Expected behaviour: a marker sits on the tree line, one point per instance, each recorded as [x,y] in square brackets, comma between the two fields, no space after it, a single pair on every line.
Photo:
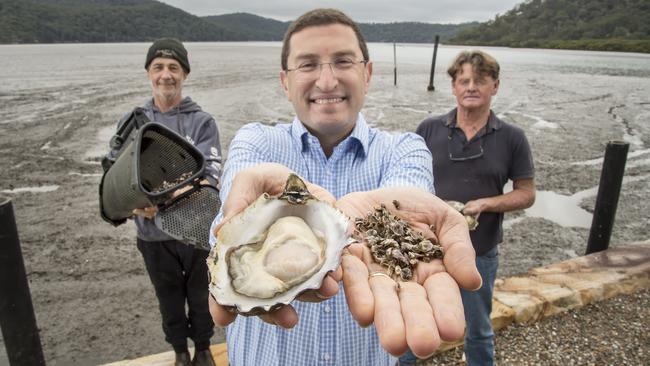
[611,25]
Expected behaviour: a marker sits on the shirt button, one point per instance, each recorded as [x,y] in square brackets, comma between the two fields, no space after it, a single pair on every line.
[326,356]
[327,308]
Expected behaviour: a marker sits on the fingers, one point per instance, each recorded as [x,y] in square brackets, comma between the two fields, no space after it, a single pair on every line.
[220,316]
[388,316]
[252,182]
[444,298]
[421,328]
[147,212]
[460,258]
[329,288]
[453,236]
[285,317]
[357,290]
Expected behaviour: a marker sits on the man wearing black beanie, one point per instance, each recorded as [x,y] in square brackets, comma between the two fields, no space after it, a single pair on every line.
[178,271]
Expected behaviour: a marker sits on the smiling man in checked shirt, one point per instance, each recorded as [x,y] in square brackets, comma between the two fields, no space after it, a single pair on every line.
[325,75]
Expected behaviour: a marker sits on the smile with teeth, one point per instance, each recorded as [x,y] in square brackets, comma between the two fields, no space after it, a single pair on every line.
[327,100]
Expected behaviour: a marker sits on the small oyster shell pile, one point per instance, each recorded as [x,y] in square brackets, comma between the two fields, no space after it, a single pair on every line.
[393,244]
[472,221]
[275,249]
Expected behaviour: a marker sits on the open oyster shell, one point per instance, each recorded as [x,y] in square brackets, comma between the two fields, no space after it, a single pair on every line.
[275,249]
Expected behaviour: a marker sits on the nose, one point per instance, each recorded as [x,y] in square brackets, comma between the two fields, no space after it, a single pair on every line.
[166,73]
[327,79]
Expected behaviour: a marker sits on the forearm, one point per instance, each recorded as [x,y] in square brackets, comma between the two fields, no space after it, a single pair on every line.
[521,197]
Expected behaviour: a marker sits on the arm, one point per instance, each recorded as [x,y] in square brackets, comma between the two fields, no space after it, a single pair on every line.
[520,170]
[207,141]
[522,196]
[410,164]
[428,308]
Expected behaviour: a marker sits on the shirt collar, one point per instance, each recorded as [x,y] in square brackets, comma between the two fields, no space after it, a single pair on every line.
[360,135]
[493,122]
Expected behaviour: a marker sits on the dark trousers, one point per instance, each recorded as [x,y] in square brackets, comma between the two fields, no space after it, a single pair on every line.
[178,273]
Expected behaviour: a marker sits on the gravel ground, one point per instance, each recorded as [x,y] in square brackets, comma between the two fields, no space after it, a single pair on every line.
[611,332]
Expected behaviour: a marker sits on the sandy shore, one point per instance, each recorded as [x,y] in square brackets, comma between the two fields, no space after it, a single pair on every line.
[91,294]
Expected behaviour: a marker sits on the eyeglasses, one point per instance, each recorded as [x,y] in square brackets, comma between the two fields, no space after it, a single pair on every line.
[311,70]
[463,152]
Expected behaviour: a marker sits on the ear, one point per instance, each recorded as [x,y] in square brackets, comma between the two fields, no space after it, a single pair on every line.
[368,74]
[284,81]
[496,87]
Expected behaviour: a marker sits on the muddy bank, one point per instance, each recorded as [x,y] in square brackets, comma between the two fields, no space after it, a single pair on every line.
[91,293]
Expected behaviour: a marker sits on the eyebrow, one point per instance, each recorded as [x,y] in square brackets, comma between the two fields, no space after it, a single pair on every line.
[162,63]
[312,56]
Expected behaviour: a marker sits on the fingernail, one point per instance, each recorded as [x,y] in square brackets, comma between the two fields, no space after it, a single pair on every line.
[322,297]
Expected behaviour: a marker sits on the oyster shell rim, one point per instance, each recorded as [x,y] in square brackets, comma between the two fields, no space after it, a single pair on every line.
[220,286]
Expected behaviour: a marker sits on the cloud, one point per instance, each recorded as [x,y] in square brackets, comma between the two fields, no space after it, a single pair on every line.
[367,11]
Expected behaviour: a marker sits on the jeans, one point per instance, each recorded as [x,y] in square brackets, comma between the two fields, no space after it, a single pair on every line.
[479,336]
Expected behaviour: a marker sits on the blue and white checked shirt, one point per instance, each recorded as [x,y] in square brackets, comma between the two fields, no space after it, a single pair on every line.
[326,333]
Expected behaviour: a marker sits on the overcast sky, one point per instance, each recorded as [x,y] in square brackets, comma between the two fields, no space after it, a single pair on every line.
[366,11]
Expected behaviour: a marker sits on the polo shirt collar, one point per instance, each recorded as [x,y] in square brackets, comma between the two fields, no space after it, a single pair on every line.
[493,123]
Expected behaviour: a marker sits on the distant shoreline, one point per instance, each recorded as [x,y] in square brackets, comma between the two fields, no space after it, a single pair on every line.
[601,45]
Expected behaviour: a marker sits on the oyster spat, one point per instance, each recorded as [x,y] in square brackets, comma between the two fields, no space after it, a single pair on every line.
[275,249]
[472,221]
[394,244]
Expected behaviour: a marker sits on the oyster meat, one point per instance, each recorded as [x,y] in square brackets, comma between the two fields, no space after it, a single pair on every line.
[275,249]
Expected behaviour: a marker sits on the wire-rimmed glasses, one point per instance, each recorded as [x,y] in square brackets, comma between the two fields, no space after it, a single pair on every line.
[311,70]
[463,152]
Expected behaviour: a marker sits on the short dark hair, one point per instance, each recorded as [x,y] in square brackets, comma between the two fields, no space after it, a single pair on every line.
[482,64]
[318,17]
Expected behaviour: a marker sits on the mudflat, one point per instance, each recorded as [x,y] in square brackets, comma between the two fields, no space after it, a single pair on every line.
[60,104]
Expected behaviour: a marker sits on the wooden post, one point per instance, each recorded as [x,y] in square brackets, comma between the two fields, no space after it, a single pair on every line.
[433,64]
[611,179]
[17,319]
[394,63]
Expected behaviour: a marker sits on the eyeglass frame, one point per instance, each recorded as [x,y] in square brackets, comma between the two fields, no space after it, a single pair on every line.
[476,156]
[300,69]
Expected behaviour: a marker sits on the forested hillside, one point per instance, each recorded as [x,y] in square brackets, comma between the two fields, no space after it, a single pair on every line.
[251,27]
[264,29]
[612,25]
[59,21]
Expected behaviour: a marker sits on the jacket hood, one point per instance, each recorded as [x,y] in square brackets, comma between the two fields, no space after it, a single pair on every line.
[187,105]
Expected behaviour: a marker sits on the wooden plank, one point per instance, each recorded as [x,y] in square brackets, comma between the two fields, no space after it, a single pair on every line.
[219,355]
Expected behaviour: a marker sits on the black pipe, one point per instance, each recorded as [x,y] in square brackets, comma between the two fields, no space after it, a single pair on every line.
[433,64]
[611,179]
[17,319]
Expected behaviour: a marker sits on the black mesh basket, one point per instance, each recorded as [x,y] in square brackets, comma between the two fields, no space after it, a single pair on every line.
[188,217]
[156,162]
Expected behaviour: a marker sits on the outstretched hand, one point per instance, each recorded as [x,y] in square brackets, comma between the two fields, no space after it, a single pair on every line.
[419,313]
[247,186]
